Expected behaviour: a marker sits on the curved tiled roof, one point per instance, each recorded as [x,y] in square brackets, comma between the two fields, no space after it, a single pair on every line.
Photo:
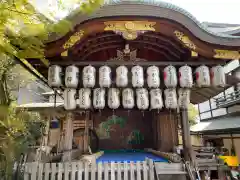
[157,9]
[173,7]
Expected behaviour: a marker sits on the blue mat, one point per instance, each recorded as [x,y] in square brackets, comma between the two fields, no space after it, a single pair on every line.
[129,156]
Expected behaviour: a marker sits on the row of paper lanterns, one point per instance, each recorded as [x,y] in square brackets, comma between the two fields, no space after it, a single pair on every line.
[205,77]
[152,99]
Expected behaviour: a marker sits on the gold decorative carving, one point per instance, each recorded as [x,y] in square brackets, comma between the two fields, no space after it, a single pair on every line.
[226,54]
[64,53]
[185,40]
[126,55]
[71,41]
[129,29]
[194,54]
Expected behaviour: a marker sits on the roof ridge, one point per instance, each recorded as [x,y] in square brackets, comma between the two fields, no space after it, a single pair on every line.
[174,7]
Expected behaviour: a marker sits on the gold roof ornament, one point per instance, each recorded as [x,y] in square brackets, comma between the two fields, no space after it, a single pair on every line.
[71,41]
[185,40]
[226,54]
[129,29]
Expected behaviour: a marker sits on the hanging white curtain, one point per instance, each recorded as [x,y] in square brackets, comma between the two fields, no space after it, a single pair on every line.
[122,76]
[71,77]
[85,98]
[70,99]
[128,98]
[156,99]
[170,98]
[185,77]
[170,76]
[99,98]
[105,76]
[183,98]
[89,76]
[113,98]
[54,76]
[202,76]
[218,77]
[142,98]
[153,77]
[137,76]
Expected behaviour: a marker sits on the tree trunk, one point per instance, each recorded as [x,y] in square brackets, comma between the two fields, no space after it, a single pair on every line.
[4,94]
[3,98]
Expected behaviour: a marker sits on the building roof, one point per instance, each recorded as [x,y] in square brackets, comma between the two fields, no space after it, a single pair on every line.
[38,106]
[230,29]
[218,124]
[159,9]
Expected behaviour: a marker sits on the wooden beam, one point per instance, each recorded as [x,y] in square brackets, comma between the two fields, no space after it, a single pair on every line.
[141,62]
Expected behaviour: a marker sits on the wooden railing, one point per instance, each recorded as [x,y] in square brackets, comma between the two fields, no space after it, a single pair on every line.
[228,99]
[84,171]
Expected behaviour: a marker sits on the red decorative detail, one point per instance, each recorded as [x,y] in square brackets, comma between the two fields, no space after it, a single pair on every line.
[197,75]
[164,75]
[179,74]
[211,74]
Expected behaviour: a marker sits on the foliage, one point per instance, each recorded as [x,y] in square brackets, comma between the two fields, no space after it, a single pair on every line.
[23,29]
[18,130]
[192,114]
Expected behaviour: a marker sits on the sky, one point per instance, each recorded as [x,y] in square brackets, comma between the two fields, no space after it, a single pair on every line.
[217,11]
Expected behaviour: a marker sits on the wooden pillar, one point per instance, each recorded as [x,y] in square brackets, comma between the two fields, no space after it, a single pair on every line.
[46,131]
[86,135]
[68,140]
[236,74]
[187,145]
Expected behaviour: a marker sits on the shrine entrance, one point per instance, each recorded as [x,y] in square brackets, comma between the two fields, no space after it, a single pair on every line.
[124,130]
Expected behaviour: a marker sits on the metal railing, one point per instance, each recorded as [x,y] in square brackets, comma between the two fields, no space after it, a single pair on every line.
[228,99]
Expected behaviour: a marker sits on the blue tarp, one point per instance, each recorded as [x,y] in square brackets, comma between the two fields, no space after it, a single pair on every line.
[127,156]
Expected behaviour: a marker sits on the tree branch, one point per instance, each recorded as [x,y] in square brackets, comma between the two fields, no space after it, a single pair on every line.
[13,10]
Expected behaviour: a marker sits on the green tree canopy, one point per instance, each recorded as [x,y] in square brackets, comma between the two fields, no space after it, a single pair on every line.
[192,114]
[23,29]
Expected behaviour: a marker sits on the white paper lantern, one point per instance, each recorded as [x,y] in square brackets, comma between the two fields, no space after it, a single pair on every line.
[156,99]
[137,76]
[99,98]
[202,76]
[85,98]
[218,77]
[54,76]
[183,98]
[70,99]
[185,77]
[153,77]
[89,76]
[105,76]
[113,98]
[71,77]
[122,76]
[128,98]
[142,98]
[170,98]
[170,76]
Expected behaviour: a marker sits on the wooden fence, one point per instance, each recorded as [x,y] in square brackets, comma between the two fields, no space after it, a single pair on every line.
[143,170]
